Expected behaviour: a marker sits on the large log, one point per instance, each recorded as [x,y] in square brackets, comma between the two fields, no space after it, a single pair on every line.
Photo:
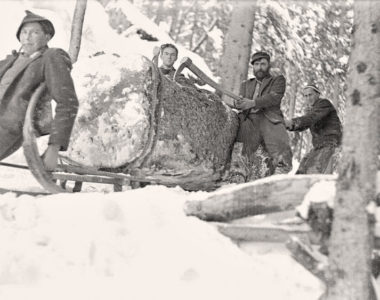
[133,119]
[275,193]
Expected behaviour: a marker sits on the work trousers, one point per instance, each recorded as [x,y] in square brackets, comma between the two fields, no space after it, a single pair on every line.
[255,130]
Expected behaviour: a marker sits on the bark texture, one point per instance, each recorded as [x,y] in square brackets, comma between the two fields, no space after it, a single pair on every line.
[352,231]
[237,46]
[134,119]
[194,138]
[277,193]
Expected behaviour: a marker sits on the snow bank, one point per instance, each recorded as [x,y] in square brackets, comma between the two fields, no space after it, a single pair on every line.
[131,245]
[320,192]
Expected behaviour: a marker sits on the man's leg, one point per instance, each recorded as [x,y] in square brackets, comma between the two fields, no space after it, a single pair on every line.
[249,134]
[302,168]
[276,142]
[247,142]
[318,161]
[9,143]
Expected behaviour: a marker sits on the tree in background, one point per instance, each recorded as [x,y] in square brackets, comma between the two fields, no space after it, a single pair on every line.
[237,46]
[352,229]
[309,41]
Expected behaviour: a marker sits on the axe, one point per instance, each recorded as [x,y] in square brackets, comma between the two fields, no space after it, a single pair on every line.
[186,62]
[156,53]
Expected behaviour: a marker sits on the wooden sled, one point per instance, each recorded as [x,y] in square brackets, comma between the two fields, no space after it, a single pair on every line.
[68,170]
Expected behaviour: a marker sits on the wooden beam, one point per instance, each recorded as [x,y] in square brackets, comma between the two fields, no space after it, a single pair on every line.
[260,233]
[271,194]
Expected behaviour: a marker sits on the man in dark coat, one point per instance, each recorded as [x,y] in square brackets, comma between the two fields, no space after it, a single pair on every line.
[169,55]
[20,75]
[261,119]
[326,130]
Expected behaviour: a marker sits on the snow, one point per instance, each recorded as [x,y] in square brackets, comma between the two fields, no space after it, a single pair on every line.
[98,36]
[320,192]
[136,244]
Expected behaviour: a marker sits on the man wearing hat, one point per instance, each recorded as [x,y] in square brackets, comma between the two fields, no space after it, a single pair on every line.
[20,75]
[261,120]
[325,127]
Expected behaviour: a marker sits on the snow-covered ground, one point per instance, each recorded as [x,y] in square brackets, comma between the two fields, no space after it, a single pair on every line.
[136,244]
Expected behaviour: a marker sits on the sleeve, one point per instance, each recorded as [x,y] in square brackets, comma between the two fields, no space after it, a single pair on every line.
[318,112]
[57,68]
[274,97]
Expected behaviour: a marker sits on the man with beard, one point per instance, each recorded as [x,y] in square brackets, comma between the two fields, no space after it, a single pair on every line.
[325,128]
[261,120]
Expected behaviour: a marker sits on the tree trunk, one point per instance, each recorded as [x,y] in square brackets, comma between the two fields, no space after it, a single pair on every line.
[259,197]
[352,229]
[132,119]
[76,30]
[237,46]
[234,70]
[160,12]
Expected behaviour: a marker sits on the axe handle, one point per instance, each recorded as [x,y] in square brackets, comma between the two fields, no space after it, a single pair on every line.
[198,72]
[179,70]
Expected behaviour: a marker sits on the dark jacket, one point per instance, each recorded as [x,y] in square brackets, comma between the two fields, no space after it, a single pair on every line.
[323,122]
[271,93]
[168,72]
[53,67]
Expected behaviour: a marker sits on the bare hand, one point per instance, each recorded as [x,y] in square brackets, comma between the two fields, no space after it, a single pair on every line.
[288,123]
[244,103]
[196,80]
[156,51]
[199,81]
[50,157]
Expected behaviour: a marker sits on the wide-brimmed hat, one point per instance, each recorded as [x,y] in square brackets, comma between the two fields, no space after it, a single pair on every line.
[259,55]
[31,18]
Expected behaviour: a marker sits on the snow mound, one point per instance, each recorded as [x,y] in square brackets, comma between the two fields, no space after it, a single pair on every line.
[129,245]
[320,192]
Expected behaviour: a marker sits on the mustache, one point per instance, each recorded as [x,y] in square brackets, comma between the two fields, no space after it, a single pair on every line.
[260,72]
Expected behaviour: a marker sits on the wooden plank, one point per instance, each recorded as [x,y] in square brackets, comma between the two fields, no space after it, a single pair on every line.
[19,193]
[312,261]
[275,193]
[260,233]
[90,178]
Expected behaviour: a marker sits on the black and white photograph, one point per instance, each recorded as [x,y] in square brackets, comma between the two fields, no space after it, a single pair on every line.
[189,149]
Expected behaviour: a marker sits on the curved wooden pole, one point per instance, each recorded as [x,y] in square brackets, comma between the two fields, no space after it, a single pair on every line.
[138,162]
[31,153]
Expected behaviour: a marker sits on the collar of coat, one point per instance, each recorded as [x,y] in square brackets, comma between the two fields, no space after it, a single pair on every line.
[34,54]
[166,71]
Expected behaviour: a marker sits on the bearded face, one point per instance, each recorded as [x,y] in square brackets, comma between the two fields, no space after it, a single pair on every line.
[261,68]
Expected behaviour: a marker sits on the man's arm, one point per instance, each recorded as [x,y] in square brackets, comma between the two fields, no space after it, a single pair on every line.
[321,109]
[61,88]
[274,97]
